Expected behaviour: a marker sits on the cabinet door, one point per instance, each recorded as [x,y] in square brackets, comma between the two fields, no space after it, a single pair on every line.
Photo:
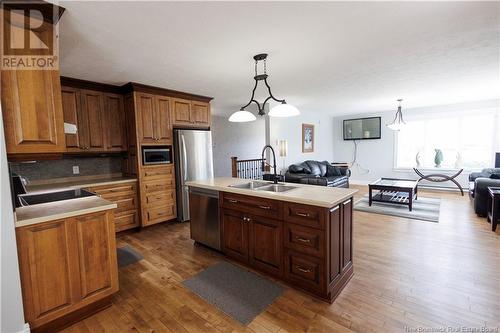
[265,244]
[96,255]
[200,114]
[46,270]
[115,120]
[71,104]
[235,235]
[145,113]
[92,107]
[346,234]
[181,111]
[163,129]
[32,111]
[131,128]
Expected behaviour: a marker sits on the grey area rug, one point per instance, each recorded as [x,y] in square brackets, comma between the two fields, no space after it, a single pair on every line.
[237,292]
[127,255]
[425,209]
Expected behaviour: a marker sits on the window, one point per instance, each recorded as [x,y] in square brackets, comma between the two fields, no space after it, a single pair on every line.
[466,140]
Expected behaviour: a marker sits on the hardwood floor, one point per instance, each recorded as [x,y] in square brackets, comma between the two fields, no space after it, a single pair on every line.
[408,274]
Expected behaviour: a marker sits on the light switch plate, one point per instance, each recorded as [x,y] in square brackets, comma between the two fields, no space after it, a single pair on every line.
[76,169]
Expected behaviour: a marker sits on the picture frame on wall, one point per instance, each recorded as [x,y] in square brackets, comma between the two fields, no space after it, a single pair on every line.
[307,138]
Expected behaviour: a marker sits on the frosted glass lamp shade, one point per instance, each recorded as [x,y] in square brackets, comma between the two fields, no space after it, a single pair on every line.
[396,126]
[284,110]
[242,117]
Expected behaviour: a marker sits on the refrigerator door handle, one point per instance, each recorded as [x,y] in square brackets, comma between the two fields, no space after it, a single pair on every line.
[184,156]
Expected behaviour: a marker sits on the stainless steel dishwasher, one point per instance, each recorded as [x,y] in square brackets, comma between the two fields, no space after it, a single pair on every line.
[204,212]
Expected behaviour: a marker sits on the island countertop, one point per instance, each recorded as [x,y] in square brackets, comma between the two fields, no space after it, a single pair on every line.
[51,211]
[314,195]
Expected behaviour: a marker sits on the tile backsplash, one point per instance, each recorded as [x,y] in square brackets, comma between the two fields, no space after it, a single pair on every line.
[89,166]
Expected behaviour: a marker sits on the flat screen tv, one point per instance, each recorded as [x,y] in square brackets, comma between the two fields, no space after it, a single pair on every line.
[362,128]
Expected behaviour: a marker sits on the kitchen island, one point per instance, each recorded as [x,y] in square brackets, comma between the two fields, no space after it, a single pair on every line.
[301,234]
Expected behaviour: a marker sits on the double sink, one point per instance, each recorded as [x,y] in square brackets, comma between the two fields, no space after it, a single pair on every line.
[264,186]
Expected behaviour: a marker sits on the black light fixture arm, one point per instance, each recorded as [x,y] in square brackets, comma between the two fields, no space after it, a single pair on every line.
[399,114]
[257,78]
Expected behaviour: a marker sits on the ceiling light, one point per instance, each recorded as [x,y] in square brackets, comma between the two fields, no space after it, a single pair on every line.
[398,122]
[281,110]
[242,117]
[284,110]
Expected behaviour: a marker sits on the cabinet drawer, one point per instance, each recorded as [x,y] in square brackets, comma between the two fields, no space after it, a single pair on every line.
[154,172]
[158,214]
[115,190]
[158,185]
[126,221]
[305,271]
[309,216]
[124,204]
[160,198]
[253,205]
[305,240]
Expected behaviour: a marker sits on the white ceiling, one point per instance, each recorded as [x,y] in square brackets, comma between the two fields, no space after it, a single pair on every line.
[329,57]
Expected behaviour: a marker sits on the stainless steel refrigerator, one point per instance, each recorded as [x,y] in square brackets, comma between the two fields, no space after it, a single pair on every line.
[193,161]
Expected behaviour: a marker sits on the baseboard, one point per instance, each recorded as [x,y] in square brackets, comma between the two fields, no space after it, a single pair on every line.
[26,328]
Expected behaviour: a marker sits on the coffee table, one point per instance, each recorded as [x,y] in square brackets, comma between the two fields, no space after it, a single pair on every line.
[494,206]
[393,190]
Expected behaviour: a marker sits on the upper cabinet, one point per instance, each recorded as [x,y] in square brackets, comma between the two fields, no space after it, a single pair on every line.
[115,118]
[32,111]
[190,113]
[99,118]
[153,118]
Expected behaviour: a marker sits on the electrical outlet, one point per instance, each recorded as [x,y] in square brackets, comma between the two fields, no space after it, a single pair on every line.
[76,169]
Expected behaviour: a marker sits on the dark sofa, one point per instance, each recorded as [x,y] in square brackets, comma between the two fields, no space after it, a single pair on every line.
[478,187]
[318,173]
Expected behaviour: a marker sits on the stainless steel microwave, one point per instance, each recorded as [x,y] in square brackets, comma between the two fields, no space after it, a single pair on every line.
[159,155]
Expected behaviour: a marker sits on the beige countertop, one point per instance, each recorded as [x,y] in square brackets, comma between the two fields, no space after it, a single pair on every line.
[305,194]
[60,210]
[78,183]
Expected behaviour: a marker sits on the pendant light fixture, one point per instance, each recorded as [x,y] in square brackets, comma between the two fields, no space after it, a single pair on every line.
[280,110]
[398,121]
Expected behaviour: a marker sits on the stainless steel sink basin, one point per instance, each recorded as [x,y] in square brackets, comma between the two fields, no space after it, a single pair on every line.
[251,185]
[276,188]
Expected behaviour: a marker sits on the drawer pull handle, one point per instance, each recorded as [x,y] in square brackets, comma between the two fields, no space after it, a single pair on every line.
[265,207]
[303,240]
[303,270]
[303,214]
[232,201]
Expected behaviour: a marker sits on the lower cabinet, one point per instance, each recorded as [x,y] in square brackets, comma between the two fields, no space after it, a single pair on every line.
[254,240]
[124,195]
[157,193]
[309,247]
[66,265]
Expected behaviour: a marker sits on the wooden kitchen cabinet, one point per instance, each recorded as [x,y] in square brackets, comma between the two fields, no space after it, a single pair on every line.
[309,247]
[254,240]
[190,113]
[99,117]
[115,123]
[66,266]
[265,244]
[124,195]
[32,111]
[157,193]
[235,239]
[71,105]
[153,119]
[92,121]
